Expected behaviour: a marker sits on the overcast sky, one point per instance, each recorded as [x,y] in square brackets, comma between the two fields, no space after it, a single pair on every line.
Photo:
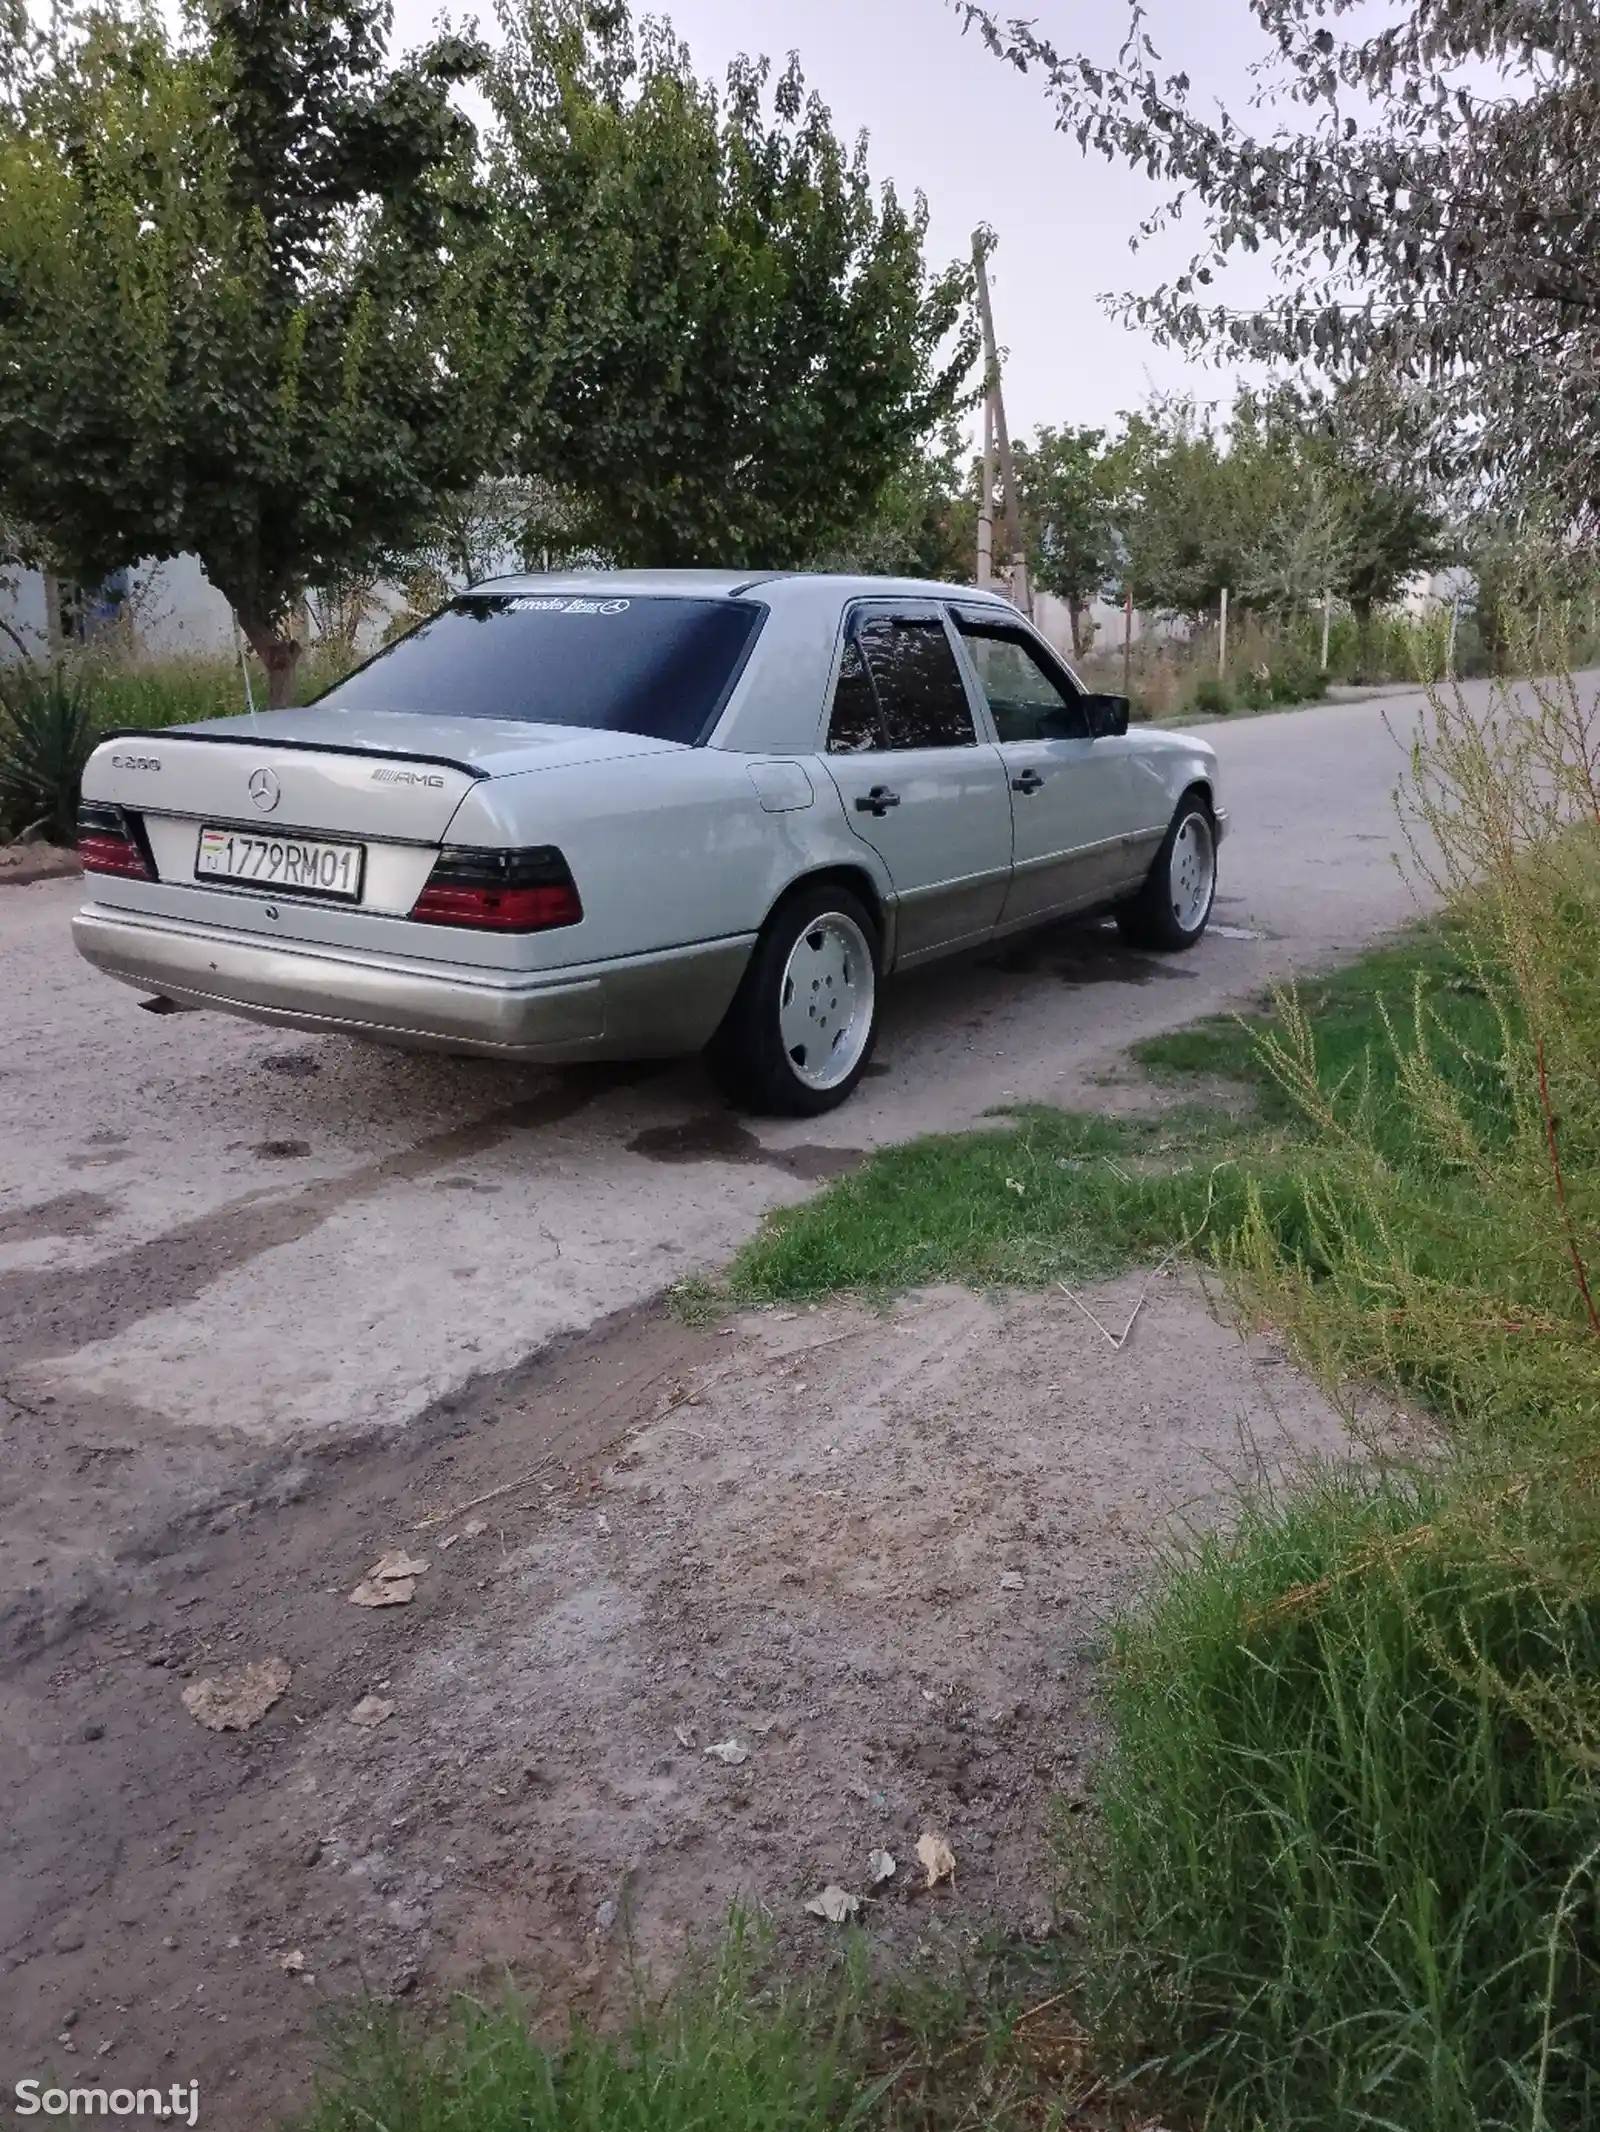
[978,138]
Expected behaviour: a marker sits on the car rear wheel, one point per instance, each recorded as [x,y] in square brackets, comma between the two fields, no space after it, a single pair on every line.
[1174,906]
[800,1031]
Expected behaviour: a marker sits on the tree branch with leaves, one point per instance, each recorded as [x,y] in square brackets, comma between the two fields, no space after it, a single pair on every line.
[1426,179]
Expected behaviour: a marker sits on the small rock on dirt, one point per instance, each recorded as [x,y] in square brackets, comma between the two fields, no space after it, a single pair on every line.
[236,1700]
[728,1752]
[936,1858]
[836,1904]
[881,1866]
[390,1568]
[371,1711]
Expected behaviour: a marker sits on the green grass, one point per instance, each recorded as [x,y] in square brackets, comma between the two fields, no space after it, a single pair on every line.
[1351,1825]
[1056,1196]
[1065,1195]
[725,2059]
[1347,1006]
[734,2049]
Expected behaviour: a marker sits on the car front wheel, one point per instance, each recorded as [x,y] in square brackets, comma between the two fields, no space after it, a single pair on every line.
[800,1031]
[1174,905]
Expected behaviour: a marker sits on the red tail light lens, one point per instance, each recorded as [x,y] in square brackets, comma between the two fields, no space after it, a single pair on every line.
[500,891]
[110,843]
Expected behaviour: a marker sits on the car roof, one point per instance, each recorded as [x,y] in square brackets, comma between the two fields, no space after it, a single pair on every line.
[772,585]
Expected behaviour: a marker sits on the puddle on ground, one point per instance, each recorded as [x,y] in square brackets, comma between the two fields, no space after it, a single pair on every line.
[68,1214]
[1099,957]
[298,1065]
[715,1136]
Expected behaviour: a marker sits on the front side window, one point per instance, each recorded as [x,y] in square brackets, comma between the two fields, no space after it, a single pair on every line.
[1026,700]
[920,690]
[658,667]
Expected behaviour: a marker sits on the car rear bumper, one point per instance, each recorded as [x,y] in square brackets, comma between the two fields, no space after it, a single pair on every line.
[656,1005]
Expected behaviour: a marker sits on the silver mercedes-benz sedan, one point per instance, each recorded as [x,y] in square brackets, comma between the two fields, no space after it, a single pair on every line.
[644,813]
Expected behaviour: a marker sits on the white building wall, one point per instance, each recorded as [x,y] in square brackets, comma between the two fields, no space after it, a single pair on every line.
[173,611]
[22,609]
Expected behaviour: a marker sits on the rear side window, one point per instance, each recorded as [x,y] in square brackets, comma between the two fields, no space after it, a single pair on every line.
[853,725]
[920,691]
[660,667]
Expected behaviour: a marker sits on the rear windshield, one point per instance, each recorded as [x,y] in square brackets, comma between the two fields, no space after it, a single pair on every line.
[662,667]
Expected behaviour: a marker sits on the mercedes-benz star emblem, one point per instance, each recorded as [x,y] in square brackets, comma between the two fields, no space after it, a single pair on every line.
[265,790]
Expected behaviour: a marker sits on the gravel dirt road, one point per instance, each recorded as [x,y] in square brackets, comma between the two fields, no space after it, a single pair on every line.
[267,1302]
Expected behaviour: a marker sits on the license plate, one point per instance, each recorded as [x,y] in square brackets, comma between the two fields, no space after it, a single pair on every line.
[304,866]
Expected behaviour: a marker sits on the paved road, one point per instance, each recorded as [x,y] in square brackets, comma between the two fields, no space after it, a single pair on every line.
[211,1227]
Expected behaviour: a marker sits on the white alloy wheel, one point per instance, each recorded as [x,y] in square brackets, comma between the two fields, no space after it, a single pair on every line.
[825,1000]
[1192,872]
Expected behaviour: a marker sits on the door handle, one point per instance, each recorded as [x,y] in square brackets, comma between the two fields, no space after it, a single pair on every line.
[878,801]
[1029,781]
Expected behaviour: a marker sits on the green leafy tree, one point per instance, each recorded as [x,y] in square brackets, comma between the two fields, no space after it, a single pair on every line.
[755,349]
[1292,502]
[1426,178]
[1070,483]
[1184,523]
[249,302]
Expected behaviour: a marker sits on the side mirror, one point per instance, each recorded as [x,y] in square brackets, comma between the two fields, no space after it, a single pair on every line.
[1107,716]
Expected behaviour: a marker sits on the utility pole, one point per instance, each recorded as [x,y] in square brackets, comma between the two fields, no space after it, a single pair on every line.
[986,497]
[1008,470]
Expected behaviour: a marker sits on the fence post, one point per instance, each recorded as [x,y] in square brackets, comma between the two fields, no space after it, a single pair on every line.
[1222,639]
[1327,617]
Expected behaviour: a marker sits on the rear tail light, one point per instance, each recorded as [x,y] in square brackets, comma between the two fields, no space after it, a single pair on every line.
[111,842]
[500,891]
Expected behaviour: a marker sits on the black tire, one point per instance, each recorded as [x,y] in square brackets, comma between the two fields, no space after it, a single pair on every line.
[747,1057]
[1154,917]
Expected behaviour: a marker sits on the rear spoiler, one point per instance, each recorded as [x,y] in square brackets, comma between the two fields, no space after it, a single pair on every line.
[306,747]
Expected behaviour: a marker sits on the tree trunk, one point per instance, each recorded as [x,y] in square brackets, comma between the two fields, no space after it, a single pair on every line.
[1075,614]
[279,653]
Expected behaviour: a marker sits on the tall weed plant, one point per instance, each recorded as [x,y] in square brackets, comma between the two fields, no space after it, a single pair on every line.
[1352,1811]
[53,717]
[1455,1245]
